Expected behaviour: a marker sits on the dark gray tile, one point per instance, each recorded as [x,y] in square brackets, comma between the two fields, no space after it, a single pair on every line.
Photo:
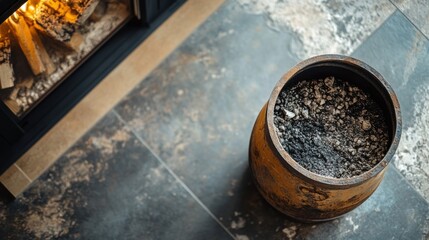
[107,186]
[401,54]
[196,111]
[417,11]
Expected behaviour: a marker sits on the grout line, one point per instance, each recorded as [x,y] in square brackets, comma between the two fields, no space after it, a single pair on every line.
[23,173]
[164,164]
[392,164]
[408,182]
[373,32]
[412,23]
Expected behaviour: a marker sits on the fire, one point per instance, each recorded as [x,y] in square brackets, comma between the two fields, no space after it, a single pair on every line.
[43,40]
[27,7]
[23,7]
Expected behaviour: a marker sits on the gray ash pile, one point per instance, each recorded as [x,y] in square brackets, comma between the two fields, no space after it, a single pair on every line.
[331,127]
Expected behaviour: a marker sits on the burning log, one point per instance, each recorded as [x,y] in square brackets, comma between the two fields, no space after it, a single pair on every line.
[28,14]
[25,39]
[47,61]
[83,8]
[7,76]
[59,19]
[52,18]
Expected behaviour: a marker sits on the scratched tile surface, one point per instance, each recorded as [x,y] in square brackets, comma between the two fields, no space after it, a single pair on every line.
[401,53]
[108,186]
[195,113]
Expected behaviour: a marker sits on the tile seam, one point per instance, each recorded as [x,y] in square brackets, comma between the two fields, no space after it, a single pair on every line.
[377,29]
[172,173]
[409,20]
[373,32]
[403,178]
[23,173]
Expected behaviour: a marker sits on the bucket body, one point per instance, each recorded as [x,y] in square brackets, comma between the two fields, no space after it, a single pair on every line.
[292,189]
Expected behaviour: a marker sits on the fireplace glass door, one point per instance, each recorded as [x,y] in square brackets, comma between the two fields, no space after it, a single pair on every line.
[45,40]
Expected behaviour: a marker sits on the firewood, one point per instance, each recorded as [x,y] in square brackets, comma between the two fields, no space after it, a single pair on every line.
[46,59]
[14,93]
[22,33]
[75,41]
[7,76]
[28,14]
[99,11]
[12,105]
[83,8]
[25,83]
[58,21]
[61,8]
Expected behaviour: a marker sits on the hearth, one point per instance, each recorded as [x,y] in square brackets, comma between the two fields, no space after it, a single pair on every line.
[53,52]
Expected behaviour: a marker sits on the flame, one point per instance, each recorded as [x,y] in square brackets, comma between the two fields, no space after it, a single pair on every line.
[14,17]
[27,10]
[28,7]
[23,7]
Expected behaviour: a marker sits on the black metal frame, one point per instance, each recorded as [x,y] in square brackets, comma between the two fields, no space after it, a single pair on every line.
[8,7]
[18,135]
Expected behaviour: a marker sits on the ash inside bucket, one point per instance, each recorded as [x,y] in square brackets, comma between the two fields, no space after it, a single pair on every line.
[331,127]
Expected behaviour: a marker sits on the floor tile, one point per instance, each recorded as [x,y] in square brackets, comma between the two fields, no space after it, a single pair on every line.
[196,111]
[394,211]
[417,11]
[107,186]
[401,54]
[323,26]
[206,96]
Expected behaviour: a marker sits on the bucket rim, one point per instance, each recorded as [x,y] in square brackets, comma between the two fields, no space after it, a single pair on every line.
[362,67]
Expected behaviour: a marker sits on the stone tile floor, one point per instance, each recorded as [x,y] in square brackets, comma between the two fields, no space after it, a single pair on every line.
[170,161]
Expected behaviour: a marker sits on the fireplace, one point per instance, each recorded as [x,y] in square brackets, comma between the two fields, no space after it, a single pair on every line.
[53,52]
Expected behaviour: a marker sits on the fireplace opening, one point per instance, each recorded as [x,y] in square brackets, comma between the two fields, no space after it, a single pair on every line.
[44,41]
[54,52]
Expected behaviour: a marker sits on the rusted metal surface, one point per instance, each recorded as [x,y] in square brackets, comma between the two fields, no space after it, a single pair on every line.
[298,192]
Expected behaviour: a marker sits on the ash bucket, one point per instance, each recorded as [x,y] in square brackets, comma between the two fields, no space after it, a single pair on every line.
[303,194]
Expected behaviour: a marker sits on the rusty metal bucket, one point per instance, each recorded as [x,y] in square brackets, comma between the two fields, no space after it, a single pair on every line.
[292,189]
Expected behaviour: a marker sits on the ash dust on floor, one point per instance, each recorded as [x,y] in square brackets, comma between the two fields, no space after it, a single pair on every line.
[108,186]
[324,26]
[46,210]
[412,158]
[405,64]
